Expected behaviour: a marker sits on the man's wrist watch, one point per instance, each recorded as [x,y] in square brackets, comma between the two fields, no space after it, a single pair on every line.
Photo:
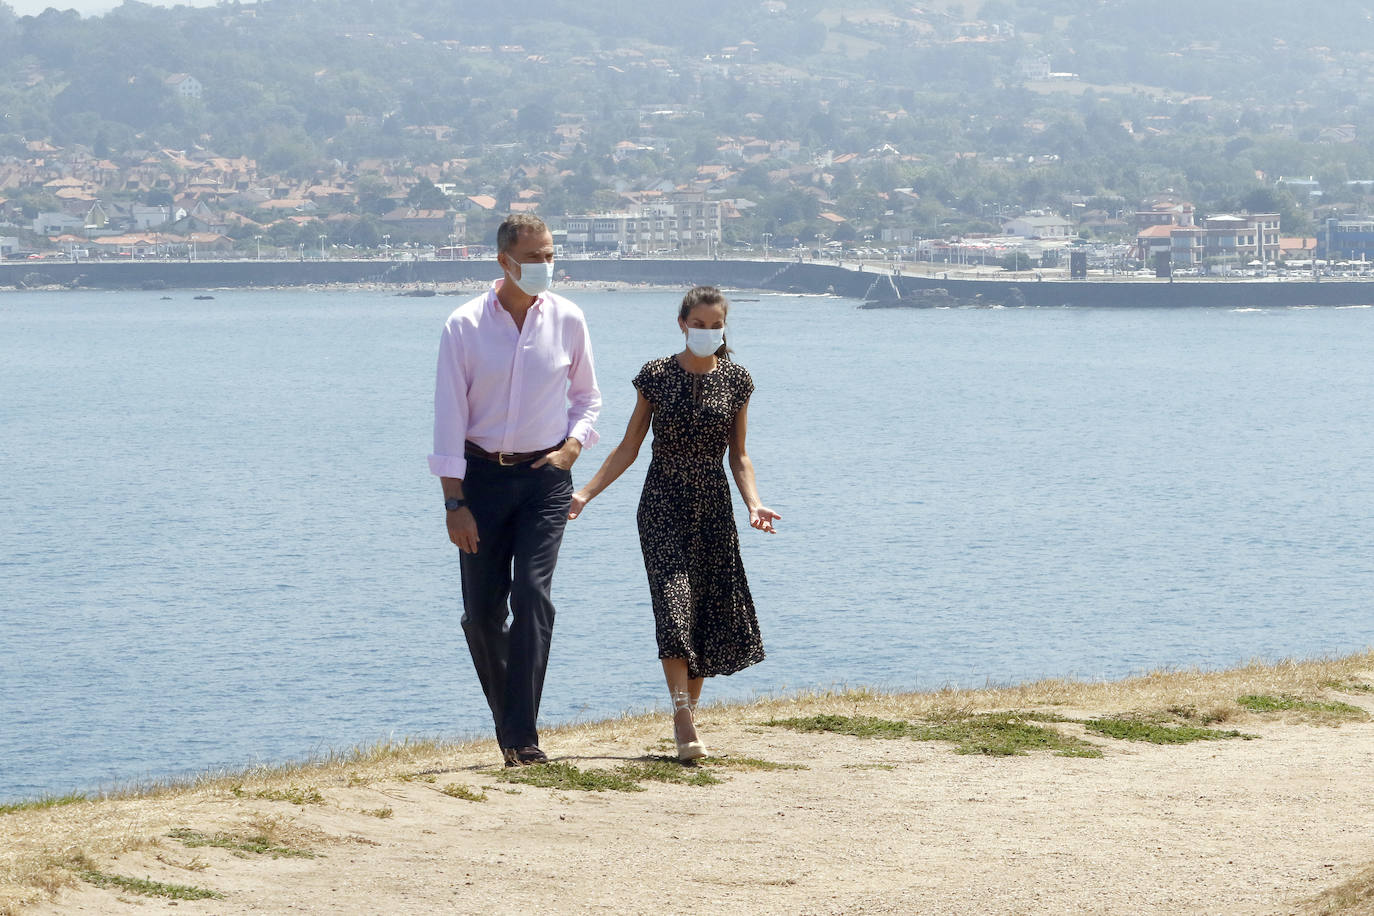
[453,504]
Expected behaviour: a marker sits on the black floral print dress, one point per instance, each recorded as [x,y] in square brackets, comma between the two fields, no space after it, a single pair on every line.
[703,611]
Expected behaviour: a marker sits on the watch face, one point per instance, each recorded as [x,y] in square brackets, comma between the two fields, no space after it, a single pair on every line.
[451,504]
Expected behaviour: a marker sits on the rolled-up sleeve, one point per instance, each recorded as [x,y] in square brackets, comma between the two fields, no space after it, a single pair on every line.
[450,409]
[584,398]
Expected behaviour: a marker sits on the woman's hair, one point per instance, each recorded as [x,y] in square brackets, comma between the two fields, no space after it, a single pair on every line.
[706,295]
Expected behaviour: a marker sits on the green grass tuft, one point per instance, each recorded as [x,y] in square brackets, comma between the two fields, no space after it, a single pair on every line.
[624,778]
[148,888]
[1135,729]
[1190,715]
[1005,734]
[750,763]
[458,790]
[258,844]
[668,769]
[1001,734]
[567,776]
[1350,686]
[52,801]
[1286,703]
[857,726]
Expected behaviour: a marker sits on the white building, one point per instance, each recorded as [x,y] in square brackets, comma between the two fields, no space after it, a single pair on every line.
[184,85]
[58,223]
[683,221]
[1038,227]
[149,217]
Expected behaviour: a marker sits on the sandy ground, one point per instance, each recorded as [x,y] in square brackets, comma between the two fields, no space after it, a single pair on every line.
[869,826]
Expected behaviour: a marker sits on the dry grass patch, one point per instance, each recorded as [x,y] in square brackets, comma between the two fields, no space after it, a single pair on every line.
[1354,897]
[1210,696]
[296,795]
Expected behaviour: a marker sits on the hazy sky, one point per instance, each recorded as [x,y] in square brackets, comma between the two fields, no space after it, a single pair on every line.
[87,7]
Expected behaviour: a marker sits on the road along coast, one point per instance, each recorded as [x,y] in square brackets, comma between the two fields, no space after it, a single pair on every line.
[1240,792]
[923,287]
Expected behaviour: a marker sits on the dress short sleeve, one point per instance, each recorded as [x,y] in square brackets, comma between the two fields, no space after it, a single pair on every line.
[741,389]
[647,382]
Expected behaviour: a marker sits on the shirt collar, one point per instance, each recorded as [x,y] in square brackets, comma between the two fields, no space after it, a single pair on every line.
[496,303]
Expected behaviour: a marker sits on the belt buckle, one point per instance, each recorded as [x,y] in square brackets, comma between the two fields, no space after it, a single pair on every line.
[502,456]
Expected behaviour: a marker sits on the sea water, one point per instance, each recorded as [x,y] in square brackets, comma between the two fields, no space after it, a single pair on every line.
[220,546]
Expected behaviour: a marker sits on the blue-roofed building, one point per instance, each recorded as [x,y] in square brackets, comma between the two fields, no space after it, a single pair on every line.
[1350,238]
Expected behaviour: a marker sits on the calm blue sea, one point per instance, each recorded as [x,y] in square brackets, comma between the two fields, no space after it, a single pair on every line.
[220,546]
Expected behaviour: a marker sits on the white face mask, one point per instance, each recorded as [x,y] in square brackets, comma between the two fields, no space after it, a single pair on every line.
[705,341]
[534,278]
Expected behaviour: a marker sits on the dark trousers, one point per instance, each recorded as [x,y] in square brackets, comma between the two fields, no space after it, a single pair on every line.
[507,611]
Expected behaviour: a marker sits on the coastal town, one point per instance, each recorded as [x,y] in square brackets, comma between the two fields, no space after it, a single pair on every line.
[993,149]
[203,207]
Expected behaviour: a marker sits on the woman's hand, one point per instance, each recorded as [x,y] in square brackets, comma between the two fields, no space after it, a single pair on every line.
[762,518]
[579,502]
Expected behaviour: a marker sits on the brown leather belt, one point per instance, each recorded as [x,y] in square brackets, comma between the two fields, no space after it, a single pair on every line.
[505,459]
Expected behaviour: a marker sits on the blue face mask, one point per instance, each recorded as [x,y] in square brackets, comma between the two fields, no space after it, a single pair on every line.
[534,278]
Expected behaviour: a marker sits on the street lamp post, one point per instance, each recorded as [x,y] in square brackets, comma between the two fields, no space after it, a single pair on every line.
[766,237]
[322,238]
[258,239]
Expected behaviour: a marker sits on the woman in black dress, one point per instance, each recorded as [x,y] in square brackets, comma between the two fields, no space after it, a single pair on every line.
[697,402]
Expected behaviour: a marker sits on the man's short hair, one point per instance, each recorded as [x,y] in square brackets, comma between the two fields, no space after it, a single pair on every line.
[516,225]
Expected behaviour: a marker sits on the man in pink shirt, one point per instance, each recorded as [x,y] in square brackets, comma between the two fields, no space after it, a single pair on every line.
[515,401]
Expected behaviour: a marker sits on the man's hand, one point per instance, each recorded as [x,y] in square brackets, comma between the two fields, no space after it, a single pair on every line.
[462,529]
[579,502]
[562,457]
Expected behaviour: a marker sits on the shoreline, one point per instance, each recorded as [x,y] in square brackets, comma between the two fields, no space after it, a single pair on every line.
[873,809]
[912,286]
[403,290]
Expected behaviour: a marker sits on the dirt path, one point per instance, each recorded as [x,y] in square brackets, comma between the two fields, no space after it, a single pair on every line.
[869,826]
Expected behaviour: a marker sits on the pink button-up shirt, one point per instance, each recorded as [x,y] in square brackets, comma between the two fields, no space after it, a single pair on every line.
[510,389]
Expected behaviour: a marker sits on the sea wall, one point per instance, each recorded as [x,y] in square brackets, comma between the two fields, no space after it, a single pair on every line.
[784,276]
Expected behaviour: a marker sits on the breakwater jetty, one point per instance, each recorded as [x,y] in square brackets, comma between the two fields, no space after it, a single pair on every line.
[877,285]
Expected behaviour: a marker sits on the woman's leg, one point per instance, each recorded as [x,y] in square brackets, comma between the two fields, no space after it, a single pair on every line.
[680,690]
